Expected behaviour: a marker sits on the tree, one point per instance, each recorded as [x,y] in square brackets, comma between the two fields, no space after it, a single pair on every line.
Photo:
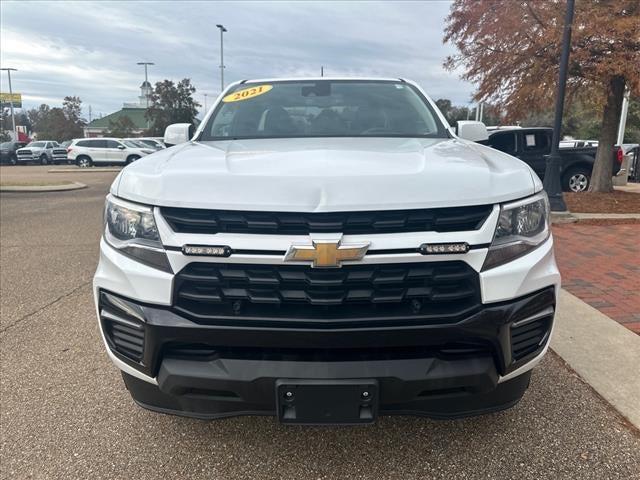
[121,128]
[56,123]
[511,50]
[492,114]
[171,103]
[72,109]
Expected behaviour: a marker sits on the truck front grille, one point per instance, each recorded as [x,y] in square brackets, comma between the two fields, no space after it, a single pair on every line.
[415,292]
[455,219]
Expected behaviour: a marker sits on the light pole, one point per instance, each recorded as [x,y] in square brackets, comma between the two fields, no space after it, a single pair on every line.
[13,117]
[146,82]
[222,30]
[205,103]
[552,170]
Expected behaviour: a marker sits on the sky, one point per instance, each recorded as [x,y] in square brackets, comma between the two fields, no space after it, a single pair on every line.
[90,49]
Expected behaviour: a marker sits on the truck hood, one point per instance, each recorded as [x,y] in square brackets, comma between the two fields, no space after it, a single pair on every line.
[325,174]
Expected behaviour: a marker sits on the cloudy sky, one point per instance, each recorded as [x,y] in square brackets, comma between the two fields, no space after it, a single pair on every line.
[90,49]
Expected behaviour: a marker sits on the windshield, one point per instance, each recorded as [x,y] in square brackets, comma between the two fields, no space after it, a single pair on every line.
[150,143]
[5,145]
[324,108]
[36,144]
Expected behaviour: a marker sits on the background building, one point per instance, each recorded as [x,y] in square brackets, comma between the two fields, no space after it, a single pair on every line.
[135,111]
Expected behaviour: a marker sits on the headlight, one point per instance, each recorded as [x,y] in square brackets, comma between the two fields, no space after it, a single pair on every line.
[131,229]
[522,226]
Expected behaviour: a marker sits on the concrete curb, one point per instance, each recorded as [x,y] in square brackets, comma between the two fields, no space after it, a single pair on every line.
[84,170]
[606,216]
[567,217]
[603,352]
[562,217]
[43,188]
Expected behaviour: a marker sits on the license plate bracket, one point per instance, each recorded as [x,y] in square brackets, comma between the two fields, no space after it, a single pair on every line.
[312,402]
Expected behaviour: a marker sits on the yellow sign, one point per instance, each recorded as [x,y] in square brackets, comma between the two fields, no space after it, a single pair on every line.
[247,93]
[15,98]
[326,253]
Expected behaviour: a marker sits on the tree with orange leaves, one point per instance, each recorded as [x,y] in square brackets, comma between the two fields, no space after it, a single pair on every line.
[511,49]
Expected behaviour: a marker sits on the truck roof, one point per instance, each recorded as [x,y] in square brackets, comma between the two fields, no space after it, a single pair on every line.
[315,79]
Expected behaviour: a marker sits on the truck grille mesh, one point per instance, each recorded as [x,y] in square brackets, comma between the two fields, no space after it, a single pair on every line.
[191,220]
[439,290]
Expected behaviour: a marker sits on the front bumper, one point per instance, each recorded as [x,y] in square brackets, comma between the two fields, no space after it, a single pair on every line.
[208,370]
[440,370]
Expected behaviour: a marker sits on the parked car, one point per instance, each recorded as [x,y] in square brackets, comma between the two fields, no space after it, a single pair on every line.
[8,152]
[43,152]
[150,142]
[531,145]
[86,152]
[326,251]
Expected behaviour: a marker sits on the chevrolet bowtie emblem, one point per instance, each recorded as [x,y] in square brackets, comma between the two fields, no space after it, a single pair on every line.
[326,253]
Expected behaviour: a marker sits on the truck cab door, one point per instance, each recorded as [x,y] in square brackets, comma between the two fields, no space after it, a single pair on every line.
[534,145]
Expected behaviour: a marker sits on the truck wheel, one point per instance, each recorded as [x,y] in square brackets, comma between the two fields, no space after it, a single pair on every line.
[44,160]
[83,161]
[576,180]
[132,158]
[13,160]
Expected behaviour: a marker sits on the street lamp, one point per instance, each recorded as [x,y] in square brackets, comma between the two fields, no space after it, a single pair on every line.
[13,117]
[552,170]
[146,81]
[222,30]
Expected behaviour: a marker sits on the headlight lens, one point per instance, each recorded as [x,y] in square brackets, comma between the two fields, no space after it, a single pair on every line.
[522,226]
[131,229]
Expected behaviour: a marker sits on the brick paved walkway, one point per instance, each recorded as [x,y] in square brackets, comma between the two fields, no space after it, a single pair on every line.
[600,264]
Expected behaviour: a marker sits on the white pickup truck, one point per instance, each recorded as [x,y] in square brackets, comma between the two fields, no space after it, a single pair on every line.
[326,250]
[43,152]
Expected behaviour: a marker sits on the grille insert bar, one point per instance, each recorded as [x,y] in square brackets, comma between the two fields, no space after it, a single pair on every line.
[191,220]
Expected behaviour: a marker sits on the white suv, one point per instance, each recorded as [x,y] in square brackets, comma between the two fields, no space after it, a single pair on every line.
[86,152]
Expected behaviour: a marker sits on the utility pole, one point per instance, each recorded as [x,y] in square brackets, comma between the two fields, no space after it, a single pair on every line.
[205,103]
[146,81]
[89,113]
[322,71]
[13,116]
[222,30]
[552,170]
[623,117]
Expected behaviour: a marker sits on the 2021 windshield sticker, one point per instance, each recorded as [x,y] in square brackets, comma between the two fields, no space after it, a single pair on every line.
[247,93]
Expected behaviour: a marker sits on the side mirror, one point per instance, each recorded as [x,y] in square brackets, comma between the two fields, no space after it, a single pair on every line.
[178,133]
[121,147]
[471,130]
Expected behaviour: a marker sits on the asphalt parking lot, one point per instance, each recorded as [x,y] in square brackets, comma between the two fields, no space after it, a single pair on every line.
[65,412]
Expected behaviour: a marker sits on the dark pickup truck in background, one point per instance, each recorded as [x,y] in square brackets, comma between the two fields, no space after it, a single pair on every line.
[8,152]
[531,145]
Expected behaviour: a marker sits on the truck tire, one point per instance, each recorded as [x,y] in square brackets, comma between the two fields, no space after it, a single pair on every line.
[576,179]
[84,161]
[13,160]
[44,160]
